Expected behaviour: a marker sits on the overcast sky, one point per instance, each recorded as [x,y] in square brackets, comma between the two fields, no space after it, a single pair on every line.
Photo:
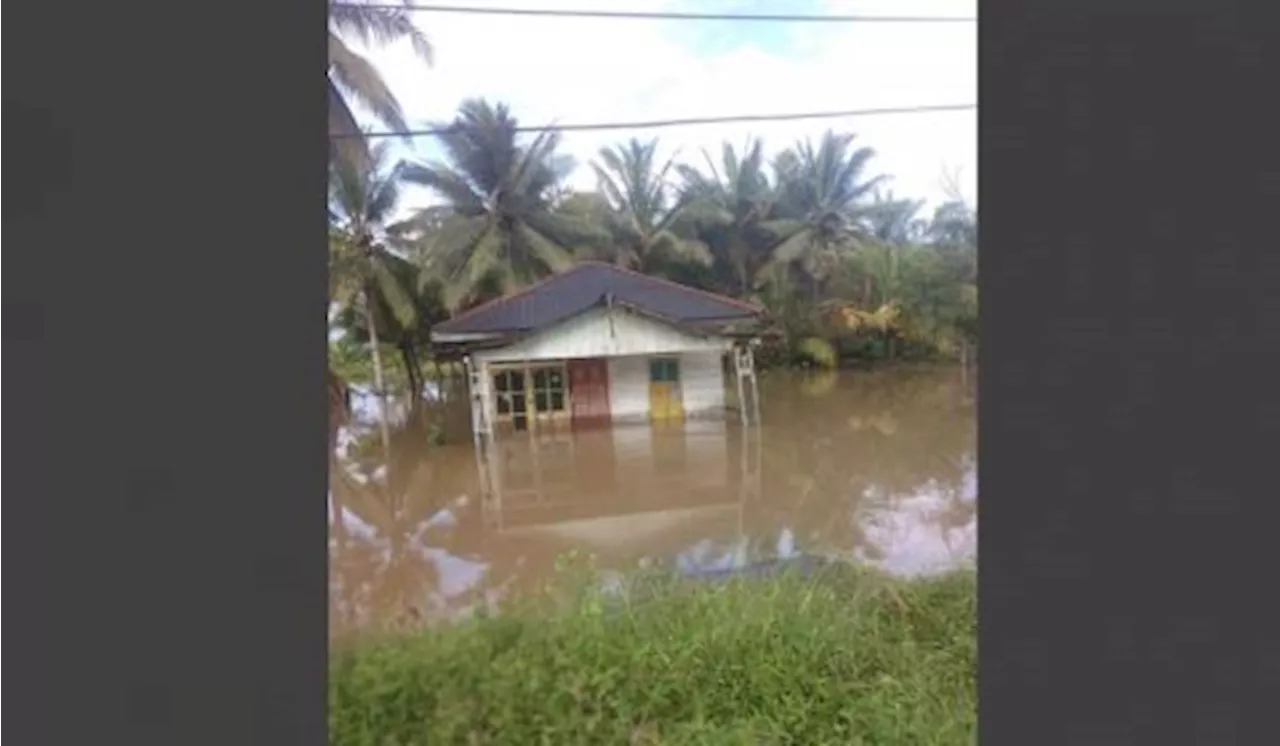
[571,70]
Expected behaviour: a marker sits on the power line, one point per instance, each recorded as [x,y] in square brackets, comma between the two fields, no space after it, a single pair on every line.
[657,15]
[659,123]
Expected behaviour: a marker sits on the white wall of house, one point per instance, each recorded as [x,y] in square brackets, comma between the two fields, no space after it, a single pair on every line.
[604,332]
[629,388]
[701,385]
[702,382]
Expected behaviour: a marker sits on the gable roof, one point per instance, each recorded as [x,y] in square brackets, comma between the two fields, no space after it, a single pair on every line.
[588,284]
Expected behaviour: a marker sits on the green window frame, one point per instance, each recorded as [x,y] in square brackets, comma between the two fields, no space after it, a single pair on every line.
[664,370]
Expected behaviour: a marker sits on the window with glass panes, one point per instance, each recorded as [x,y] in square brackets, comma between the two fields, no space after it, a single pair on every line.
[509,394]
[549,389]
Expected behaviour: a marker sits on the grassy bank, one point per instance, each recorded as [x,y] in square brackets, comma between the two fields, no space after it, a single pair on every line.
[842,658]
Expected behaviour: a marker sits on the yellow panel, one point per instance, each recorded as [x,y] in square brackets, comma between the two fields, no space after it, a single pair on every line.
[665,402]
[657,401]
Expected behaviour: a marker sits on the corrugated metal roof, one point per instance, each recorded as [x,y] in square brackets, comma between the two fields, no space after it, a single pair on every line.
[586,285]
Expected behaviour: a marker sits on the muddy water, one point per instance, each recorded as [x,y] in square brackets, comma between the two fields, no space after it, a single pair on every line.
[877,467]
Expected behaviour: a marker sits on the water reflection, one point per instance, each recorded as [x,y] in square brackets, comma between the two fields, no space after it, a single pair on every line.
[876,467]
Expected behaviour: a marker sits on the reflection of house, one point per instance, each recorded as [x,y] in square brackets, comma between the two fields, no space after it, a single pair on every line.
[578,483]
[598,344]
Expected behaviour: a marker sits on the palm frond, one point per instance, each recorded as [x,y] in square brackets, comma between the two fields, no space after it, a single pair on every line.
[566,228]
[391,292]
[483,258]
[672,217]
[345,139]
[358,79]
[783,228]
[380,26]
[552,256]
[684,249]
[883,318]
[346,269]
[450,184]
[445,249]
[364,192]
[606,184]
[347,189]
[792,247]
[526,168]
[384,196]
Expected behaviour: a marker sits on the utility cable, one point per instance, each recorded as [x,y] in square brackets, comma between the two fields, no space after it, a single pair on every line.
[660,123]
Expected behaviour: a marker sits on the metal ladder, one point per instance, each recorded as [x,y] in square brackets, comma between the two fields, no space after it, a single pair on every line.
[744,367]
[476,389]
[485,449]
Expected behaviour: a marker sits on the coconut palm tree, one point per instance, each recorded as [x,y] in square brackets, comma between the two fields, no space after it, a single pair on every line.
[410,341]
[363,196]
[501,227]
[352,77]
[823,205]
[894,221]
[644,215]
[728,204]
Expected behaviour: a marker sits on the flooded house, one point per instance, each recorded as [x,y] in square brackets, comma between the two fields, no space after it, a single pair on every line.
[598,345]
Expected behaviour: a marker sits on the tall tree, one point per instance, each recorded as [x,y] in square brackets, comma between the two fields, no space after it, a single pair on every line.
[644,215]
[363,196]
[501,226]
[353,79]
[729,203]
[895,221]
[823,205]
[409,341]
[891,228]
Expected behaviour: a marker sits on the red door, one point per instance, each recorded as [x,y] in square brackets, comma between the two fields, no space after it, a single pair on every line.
[589,392]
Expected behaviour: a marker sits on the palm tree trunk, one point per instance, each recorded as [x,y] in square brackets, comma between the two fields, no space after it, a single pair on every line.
[378,379]
[422,372]
[412,372]
[416,358]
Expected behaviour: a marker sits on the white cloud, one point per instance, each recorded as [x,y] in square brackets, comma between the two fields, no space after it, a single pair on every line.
[595,70]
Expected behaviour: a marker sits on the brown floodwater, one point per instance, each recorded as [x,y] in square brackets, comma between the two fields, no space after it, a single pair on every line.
[876,467]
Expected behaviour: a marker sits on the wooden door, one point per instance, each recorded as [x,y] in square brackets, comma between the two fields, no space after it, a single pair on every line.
[666,400]
[589,392]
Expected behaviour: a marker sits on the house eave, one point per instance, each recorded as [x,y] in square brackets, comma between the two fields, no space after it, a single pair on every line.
[447,338]
[736,328]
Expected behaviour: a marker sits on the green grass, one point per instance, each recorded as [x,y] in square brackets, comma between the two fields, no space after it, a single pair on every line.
[846,657]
